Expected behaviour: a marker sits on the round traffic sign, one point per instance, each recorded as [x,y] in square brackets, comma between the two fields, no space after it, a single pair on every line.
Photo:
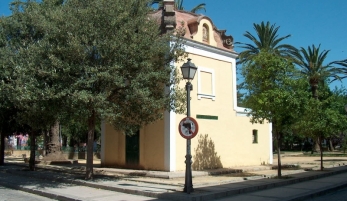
[188,127]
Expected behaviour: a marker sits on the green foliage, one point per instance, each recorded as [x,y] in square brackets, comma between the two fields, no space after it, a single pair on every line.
[274,93]
[8,114]
[311,62]
[81,56]
[77,131]
[29,82]
[344,144]
[89,61]
[265,40]
[342,70]
[324,117]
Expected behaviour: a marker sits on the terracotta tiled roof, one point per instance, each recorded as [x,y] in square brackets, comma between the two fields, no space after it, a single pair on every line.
[190,22]
[189,19]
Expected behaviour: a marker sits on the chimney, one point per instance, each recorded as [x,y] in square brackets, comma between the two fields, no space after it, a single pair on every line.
[168,16]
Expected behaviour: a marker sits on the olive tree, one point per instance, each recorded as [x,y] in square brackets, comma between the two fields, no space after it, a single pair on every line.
[96,60]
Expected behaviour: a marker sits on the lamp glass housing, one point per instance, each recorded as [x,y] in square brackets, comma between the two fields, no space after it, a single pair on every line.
[188,70]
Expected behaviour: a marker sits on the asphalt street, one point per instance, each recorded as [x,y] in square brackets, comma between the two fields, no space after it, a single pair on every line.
[339,195]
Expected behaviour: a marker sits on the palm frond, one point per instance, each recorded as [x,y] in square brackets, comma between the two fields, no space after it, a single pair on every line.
[198,8]
[312,59]
[266,39]
[179,5]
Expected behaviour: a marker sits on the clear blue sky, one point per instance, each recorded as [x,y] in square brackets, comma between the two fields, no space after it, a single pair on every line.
[308,21]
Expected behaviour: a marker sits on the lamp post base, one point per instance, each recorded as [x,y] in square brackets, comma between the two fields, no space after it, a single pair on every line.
[188,184]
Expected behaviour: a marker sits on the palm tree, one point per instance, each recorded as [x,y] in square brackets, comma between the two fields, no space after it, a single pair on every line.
[311,62]
[342,70]
[267,40]
[198,7]
[179,5]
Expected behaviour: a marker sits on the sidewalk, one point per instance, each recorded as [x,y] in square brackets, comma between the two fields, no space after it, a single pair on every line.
[169,185]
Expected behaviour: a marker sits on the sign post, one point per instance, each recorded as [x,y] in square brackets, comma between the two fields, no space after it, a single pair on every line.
[188,127]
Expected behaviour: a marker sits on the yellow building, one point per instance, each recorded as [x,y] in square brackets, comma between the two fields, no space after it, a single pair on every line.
[232,140]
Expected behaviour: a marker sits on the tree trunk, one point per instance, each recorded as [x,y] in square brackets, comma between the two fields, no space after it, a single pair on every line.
[279,169]
[314,87]
[2,149]
[331,147]
[64,141]
[45,142]
[54,147]
[315,146]
[321,154]
[54,144]
[19,146]
[32,150]
[91,128]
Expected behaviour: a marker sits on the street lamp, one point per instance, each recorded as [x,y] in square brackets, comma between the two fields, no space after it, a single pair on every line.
[188,71]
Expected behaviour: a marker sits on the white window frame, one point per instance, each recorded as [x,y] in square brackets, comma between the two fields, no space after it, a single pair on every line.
[200,94]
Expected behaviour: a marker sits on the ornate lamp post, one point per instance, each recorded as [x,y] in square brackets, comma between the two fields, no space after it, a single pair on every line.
[188,71]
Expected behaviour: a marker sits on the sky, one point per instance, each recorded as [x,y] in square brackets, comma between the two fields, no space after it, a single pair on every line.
[308,22]
[318,22]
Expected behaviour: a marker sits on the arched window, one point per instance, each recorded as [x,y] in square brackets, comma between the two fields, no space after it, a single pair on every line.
[205,33]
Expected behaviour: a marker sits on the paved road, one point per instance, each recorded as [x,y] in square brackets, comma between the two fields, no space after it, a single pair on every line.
[15,195]
[340,195]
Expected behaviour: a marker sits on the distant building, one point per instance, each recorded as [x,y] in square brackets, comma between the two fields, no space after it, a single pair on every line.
[232,139]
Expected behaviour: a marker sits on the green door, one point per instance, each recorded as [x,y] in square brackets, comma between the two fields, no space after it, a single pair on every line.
[132,149]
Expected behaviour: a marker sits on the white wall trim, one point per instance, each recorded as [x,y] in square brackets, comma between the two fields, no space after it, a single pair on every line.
[271,146]
[200,94]
[209,51]
[170,141]
[170,136]
[239,110]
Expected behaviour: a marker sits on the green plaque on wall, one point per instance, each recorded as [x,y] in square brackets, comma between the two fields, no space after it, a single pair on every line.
[210,117]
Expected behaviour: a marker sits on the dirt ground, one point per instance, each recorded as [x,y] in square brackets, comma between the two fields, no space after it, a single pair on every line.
[312,161]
